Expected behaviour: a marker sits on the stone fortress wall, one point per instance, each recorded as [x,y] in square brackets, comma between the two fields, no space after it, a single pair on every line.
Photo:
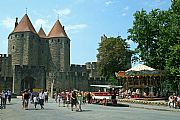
[37,61]
[5,71]
[40,61]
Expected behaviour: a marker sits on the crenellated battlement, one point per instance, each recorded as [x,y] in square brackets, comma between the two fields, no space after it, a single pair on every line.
[35,60]
[78,68]
[4,55]
[90,65]
[25,67]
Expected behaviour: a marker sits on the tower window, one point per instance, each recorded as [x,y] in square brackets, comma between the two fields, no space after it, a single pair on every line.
[15,35]
[58,40]
[52,40]
[13,47]
[22,35]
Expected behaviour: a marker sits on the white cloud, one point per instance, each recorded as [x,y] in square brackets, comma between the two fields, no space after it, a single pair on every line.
[44,23]
[108,2]
[62,12]
[40,22]
[126,8]
[8,23]
[123,14]
[76,27]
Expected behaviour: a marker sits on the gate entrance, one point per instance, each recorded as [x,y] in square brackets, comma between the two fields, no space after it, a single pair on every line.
[28,83]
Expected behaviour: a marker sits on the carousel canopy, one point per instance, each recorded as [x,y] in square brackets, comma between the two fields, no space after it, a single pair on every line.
[140,67]
[142,70]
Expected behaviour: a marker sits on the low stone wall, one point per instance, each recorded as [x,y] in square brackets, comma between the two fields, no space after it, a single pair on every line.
[160,102]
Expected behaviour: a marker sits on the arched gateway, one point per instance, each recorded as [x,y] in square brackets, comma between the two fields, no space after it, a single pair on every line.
[28,83]
[28,77]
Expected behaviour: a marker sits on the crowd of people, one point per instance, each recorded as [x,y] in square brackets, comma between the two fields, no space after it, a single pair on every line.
[5,96]
[34,98]
[174,101]
[74,98]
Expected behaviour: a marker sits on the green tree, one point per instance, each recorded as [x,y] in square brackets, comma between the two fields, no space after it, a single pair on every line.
[157,34]
[112,57]
[146,32]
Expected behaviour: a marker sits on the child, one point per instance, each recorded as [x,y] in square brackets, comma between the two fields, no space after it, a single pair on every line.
[36,100]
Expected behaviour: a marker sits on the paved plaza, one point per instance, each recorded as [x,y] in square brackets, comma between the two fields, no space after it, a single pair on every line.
[90,112]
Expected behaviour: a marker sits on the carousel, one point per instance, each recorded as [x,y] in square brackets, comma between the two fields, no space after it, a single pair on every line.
[141,81]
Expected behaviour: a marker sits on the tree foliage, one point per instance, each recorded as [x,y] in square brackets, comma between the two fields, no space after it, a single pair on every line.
[112,56]
[157,34]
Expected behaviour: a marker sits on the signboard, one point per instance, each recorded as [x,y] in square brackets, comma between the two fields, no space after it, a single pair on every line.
[37,89]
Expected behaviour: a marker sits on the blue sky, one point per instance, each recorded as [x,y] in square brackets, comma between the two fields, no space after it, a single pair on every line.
[85,21]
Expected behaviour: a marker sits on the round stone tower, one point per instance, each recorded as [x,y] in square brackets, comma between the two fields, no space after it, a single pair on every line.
[59,45]
[23,43]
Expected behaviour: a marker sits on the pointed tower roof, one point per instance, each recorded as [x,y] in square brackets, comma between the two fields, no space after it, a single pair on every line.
[41,33]
[57,30]
[25,25]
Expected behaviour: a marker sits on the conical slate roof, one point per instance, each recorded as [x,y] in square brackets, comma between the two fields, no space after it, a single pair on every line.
[57,30]
[41,33]
[25,25]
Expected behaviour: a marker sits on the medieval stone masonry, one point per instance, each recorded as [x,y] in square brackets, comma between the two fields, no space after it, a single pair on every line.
[39,61]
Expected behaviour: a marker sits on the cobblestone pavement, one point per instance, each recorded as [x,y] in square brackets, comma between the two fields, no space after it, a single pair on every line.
[90,112]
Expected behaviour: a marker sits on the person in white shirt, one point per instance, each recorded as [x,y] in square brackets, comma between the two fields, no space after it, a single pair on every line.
[170,102]
[46,96]
[178,101]
[36,100]
[3,99]
[41,99]
[9,95]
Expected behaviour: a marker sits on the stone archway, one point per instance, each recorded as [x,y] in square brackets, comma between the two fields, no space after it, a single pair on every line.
[28,83]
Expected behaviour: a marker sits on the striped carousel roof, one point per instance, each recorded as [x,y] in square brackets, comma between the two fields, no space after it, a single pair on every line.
[141,67]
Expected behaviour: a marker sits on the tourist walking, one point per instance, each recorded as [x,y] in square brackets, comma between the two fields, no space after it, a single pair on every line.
[35,100]
[55,96]
[25,98]
[9,93]
[89,98]
[80,100]
[41,99]
[68,97]
[63,94]
[3,99]
[74,100]
[59,99]
[46,96]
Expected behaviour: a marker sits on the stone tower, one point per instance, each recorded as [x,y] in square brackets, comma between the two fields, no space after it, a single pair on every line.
[59,45]
[43,49]
[25,47]
[38,61]
[23,43]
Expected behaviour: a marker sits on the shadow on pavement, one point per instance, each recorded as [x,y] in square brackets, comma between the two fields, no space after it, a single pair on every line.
[39,109]
[85,111]
[117,105]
